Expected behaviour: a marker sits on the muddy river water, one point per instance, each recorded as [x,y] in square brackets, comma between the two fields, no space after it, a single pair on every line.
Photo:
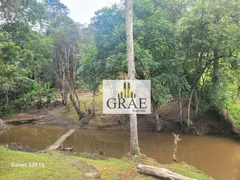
[216,156]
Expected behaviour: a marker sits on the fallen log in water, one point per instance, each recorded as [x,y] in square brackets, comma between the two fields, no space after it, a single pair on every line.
[63,138]
[161,173]
[20,121]
[21,118]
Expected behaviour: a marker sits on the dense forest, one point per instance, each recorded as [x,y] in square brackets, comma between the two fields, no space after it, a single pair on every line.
[189,49]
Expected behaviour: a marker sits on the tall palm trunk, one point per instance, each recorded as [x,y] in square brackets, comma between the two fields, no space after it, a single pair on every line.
[134,147]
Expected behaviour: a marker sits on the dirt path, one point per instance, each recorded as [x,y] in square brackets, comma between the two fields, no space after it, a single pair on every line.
[88,172]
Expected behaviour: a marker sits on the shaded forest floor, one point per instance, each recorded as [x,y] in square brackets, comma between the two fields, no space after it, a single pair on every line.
[56,165]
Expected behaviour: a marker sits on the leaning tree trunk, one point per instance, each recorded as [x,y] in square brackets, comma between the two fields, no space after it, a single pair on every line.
[75,103]
[134,147]
[76,107]
[189,108]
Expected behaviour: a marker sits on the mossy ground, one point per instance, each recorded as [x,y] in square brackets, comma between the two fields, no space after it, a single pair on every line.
[59,166]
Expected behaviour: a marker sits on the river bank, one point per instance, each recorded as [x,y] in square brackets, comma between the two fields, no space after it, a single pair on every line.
[65,117]
[56,165]
[211,123]
[218,157]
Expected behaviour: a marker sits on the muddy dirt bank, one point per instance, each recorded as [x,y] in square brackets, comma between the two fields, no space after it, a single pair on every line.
[3,126]
[210,123]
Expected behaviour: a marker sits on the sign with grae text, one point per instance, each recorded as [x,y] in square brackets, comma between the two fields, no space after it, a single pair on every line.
[126,97]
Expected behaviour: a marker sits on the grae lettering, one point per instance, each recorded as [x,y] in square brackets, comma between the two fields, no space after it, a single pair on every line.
[118,103]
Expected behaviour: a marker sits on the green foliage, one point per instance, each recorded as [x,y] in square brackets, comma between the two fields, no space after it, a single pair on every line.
[54,9]
[154,44]
[90,73]
[25,54]
[209,38]
[161,94]
[39,93]
[234,113]
[179,45]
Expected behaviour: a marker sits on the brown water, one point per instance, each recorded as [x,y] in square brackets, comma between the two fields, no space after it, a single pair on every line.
[37,137]
[217,157]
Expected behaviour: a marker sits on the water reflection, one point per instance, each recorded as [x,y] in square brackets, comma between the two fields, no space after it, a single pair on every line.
[37,137]
[217,157]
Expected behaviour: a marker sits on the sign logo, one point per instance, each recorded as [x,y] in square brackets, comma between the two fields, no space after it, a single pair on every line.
[126,97]
[126,93]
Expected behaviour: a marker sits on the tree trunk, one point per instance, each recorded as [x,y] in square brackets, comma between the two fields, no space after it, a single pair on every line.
[161,173]
[197,104]
[189,108]
[85,106]
[75,106]
[55,68]
[61,140]
[156,115]
[134,147]
[180,107]
[215,69]
[63,94]
[7,100]
[93,104]
[76,96]
[63,79]
[175,143]
[239,91]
